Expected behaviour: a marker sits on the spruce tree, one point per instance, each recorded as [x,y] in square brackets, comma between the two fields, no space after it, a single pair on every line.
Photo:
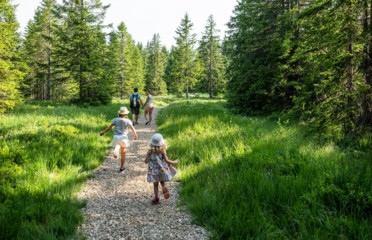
[43,82]
[11,73]
[331,94]
[127,62]
[213,72]
[255,48]
[182,76]
[82,49]
[155,67]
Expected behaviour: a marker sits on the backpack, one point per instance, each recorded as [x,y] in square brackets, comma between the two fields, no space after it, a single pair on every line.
[134,102]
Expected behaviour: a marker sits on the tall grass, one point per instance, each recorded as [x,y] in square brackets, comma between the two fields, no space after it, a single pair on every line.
[254,178]
[47,152]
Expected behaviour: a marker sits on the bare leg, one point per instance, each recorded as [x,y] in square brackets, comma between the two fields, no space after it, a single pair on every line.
[123,150]
[156,189]
[136,118]
[150,115]
[165,190]
[145,114]
[116,150]
[156,193]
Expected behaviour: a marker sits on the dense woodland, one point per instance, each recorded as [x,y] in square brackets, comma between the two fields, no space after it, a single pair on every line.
[308,58]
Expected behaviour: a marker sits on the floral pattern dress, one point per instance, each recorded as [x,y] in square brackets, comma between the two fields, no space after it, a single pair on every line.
[159,170]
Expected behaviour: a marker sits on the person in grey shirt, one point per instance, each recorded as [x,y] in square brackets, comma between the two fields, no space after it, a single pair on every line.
[121,141]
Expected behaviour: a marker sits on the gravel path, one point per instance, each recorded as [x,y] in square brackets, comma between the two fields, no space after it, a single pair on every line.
[119,204]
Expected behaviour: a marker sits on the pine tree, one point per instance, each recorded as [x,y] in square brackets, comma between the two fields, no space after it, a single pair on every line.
[213,73]
[183,74]
[42,81]
[11,73]
[128,62]
[155,68]
[365,117]
[82,48]
[258,44]
[138,69]
[333,86]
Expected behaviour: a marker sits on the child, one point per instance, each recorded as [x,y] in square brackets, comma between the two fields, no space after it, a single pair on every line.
[120,141]
[159,166]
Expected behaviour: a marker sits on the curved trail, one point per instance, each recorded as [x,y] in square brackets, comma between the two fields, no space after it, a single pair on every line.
[119,204]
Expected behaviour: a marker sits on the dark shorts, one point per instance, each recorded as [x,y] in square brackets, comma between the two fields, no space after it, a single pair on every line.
[135,110]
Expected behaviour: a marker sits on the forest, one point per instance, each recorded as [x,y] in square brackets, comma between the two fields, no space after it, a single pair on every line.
[310,59]
[304,62]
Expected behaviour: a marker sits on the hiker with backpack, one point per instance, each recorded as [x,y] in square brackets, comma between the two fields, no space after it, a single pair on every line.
[135,104]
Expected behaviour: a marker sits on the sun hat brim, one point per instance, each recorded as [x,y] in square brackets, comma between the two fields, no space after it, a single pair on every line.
[156,143]
[123,110]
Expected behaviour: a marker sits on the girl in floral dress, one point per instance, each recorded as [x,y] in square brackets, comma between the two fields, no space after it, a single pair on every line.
[160,168]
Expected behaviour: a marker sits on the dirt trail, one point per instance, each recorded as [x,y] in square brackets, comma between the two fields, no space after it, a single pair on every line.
[119,204]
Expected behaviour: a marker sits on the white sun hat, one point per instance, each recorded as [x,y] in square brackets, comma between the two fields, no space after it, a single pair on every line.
[157,140]
[123,111]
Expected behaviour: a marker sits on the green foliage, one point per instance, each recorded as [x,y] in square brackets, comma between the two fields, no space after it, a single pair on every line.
[47,151]
[126,61]
[309,58]
[213,67]
[155,67]
[182,73]
[82,49]
[11,68]
[256,47]
[44,79]
[255,178]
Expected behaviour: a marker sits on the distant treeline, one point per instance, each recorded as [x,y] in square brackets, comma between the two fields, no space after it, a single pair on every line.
[308,58]
[66,53]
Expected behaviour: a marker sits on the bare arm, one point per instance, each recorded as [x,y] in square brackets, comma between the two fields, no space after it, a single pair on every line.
[147,100]
[147,159]
[106,130]
[142,104]
[165,157]
[135,136]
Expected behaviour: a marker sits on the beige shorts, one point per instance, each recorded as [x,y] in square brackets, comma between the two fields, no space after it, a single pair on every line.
[120,139]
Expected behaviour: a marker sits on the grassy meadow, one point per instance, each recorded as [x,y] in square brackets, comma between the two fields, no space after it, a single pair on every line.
[242,177]
[47,151]
[256,178]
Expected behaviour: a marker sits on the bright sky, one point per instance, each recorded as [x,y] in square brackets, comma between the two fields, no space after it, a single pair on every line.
[144,18]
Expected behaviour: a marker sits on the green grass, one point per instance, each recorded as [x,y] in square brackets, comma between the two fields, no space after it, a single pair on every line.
[47,151]
[255,178]
[242,177]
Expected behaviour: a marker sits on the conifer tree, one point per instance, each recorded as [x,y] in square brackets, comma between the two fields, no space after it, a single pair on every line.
[331,56]
[11,73]
[213,72]
[42,81]
[82,50]
[138,69]
[155,67]
[255,48]
[128,62]
[182,76]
